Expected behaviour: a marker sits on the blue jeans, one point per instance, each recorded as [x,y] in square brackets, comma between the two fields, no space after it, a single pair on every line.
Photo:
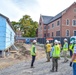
[74,68]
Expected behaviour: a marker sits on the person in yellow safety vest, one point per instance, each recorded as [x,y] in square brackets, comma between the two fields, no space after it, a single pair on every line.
[48,49]
[73,60]
[65,50]
[71,46]
[33,53]
[59,45]
[55,56]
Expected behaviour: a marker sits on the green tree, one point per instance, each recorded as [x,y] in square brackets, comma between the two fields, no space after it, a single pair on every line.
[28,26]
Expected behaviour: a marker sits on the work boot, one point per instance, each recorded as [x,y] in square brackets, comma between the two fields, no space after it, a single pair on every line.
[56,70]
[32,67]
[51,70]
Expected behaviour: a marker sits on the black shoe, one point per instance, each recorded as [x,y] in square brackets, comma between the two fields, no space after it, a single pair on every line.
[56,70]
[51,70]
[32,67]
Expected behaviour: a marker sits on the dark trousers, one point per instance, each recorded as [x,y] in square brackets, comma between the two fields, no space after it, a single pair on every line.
[71,53]
[33,59]
[55,63]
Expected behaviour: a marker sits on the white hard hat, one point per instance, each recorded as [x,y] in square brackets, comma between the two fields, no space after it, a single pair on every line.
[56,41]
[47,41]
[65,39]
[34,41]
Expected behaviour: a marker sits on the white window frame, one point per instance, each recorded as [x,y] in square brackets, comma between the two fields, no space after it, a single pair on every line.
[66,33]
[74,10]
[59,35]
[66,22]
[72,22]
[53,25]
[49,27]
[73,32]
[59,22]
[44,28]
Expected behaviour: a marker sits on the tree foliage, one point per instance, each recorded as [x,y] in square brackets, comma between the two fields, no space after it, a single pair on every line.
[26,25]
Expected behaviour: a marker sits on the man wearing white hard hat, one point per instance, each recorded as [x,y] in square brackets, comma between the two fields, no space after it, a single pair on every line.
[48,49]
[71,46]
[33,53]
[55,56]
[65,50]
[73,60]
[60,45]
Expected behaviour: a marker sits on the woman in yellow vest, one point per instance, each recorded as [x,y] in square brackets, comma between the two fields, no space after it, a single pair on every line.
[60,45]
[71,48]
[55,57]
[33,53]
[74,60]
[65,50]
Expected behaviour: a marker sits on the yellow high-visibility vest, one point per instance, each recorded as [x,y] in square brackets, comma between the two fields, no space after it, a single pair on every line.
[65,46]
[33,50]
[48,47]
[56,52]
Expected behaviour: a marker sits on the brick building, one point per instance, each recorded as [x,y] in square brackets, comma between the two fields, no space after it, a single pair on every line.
[61,25]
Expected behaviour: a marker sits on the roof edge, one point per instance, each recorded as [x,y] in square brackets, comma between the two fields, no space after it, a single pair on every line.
[8,21]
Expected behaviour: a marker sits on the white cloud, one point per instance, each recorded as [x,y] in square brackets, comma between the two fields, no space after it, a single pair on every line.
[53,7]
[45,7]
[11,10]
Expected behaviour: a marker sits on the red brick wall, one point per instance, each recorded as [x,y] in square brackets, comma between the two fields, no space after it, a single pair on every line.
[69,14]
[56,28]
[40,28]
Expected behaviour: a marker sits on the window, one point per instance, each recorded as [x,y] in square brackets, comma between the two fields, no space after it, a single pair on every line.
[40,23]
[74,9]
[74,33]
[48,27]
[44,35]
[67,32]
[52,34]
[52,25]
[58,33]
[74,22]
[67,22]
[48,34]
[44,27]
[58,23]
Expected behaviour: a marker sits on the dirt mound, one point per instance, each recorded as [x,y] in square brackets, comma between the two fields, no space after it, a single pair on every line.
[23,52]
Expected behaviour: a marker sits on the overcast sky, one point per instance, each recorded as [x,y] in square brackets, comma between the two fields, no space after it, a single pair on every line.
[15,9]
